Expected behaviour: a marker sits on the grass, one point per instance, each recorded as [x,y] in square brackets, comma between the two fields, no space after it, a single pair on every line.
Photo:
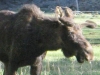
[56,64]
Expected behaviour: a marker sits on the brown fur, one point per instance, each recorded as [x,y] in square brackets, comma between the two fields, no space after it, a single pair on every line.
[28,34]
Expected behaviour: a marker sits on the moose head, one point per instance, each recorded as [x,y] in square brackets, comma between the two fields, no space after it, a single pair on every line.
[74,43]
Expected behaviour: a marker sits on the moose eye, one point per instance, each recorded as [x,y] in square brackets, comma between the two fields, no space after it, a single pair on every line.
[71,33]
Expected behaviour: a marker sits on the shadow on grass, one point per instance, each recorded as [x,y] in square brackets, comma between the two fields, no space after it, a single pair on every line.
[64,66]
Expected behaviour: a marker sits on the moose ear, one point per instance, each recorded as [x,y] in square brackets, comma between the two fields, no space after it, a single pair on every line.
[59,12]
[89,24]
[69,12]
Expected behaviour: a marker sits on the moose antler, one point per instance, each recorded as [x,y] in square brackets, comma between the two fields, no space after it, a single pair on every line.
[64,16]
[59,11]
[69,12]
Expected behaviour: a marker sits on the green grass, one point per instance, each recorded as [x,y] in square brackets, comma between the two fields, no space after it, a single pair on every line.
[56,64]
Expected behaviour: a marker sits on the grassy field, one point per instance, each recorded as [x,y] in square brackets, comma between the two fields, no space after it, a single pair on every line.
[56,64]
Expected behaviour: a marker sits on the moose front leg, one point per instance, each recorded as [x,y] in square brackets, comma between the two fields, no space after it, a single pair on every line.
[5,69]
[37,66]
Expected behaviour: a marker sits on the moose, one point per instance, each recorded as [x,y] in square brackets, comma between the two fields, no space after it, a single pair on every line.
[26,36]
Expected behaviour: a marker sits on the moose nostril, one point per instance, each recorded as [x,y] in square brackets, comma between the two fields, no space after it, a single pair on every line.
[89,58]
[89,54]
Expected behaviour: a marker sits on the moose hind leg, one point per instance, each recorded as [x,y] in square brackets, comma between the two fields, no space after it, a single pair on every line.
[10,69]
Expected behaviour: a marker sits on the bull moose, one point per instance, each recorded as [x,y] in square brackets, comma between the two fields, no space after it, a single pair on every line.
[25,37]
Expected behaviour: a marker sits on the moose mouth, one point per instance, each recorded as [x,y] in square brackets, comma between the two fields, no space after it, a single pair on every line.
[81,57]
[80,54]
